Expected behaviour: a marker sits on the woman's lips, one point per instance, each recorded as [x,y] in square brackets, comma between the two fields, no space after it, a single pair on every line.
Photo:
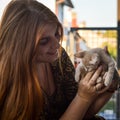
[53,53]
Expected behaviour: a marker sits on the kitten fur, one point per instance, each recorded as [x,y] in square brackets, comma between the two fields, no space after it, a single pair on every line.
[90,60]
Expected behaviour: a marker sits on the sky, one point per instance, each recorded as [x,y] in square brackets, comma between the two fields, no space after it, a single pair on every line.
[101,13]
[98,13]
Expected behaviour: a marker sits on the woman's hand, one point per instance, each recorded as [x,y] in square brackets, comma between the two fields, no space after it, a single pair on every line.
[103,97]
[88,88]
[87,92]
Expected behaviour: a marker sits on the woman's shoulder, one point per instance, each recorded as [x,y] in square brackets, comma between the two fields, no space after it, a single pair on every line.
[63,60]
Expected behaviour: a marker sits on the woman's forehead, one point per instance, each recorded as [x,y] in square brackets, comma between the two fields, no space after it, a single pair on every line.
[48,29]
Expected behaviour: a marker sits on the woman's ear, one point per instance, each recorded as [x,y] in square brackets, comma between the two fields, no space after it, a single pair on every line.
[80,54]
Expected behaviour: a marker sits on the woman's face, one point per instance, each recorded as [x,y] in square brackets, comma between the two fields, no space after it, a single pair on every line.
[48,45]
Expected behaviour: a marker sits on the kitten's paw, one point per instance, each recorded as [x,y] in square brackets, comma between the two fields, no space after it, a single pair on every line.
[106,83]
[108,80]
[77,78]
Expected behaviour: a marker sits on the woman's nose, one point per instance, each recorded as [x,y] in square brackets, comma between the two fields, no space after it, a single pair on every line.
[55,43]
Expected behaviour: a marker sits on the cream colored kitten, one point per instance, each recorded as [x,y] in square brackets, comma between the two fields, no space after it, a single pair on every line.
[90,60]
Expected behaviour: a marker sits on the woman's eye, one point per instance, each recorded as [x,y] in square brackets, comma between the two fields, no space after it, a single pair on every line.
[57,35]
[44,41]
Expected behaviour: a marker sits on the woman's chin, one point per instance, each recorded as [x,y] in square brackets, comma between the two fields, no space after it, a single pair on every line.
[53,57]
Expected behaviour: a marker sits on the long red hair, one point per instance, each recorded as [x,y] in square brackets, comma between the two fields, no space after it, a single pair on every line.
[20,92]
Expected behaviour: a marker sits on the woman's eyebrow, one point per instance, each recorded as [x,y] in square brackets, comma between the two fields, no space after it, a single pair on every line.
[45,37]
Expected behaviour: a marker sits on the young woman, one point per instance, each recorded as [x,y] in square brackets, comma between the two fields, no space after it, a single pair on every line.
[36,75]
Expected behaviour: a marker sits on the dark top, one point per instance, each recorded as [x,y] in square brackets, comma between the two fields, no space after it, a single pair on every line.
[66,88]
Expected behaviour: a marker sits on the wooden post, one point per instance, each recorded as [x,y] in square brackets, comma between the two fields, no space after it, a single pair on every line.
[118,60]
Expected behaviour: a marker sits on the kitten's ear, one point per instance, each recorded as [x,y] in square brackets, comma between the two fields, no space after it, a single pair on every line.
[106,50]
[80,54]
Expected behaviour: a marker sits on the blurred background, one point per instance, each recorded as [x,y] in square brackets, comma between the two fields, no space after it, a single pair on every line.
[89,24]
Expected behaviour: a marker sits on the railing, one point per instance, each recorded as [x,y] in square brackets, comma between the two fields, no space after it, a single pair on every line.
[99,37]
[95,36]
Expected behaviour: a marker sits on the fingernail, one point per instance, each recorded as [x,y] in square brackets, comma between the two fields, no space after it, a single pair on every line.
[100,67]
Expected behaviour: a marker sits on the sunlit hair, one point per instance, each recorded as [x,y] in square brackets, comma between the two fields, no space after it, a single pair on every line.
[20,92]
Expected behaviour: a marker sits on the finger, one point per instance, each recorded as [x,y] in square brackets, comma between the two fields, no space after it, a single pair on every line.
[88,76]
[99,86]
[102,90]
[95,76]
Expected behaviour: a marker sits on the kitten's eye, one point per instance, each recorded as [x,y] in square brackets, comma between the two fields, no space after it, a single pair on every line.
[44,41]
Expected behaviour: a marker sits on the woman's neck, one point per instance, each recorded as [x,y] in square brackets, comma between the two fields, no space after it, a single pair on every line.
[45,77]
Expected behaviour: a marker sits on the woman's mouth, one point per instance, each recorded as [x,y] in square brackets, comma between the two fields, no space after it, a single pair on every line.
[53,54]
